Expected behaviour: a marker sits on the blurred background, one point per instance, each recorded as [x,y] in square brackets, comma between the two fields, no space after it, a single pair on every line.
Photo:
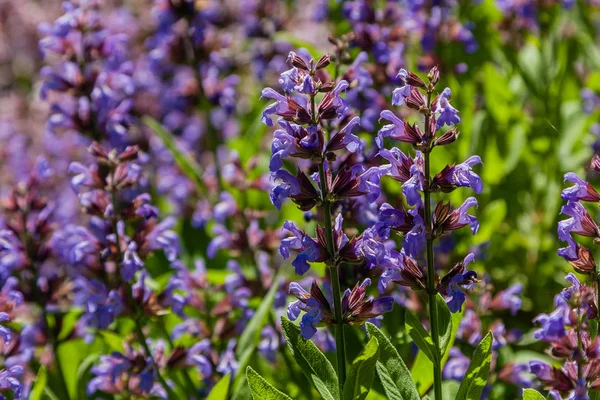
[525,76]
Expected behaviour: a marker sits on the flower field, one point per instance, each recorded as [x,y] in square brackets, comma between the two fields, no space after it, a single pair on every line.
[285,199]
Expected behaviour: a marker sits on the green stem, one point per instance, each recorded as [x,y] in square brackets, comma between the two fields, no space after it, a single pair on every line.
[128,289]
[144,342]
[431,291]
[54,341]
[340,340]
[190,387]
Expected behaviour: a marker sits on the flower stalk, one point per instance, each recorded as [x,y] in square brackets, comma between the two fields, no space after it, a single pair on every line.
[431,290]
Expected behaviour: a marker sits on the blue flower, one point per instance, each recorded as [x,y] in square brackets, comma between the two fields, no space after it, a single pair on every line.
[280,105]
[401,93]
[448,115]
[581,191]
[457,279]
[460,175]
[308,249]
[552,325]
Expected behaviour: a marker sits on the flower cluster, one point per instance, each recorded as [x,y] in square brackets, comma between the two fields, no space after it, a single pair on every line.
[417,223]
[88,82]
[568,331]
[311,102]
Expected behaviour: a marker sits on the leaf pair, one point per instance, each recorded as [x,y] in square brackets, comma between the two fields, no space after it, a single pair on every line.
[319,370]
[422,338]
[393,373]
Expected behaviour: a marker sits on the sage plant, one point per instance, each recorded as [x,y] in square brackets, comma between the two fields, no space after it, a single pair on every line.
[420,226]
[310,101]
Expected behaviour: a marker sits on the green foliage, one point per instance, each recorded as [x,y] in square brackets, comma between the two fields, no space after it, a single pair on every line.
[420,336]
[422,367]
[261,389]
[393,373]
[362,371]
[444,323]
[312,361]
[532,394]
[478,371]
[221,390]
[251,334]
[184,161]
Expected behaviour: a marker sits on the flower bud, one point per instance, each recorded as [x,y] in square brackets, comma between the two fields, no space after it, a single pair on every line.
[434,75]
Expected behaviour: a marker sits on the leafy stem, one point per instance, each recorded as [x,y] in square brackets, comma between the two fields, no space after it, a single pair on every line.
[431,291]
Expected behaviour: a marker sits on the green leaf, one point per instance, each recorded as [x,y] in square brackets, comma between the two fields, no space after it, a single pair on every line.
[420,336]
[479,369]
[362,371]
[261,389]
[393,373]
[444,323]
[221,390]
[40,383]
[312,361]
[532,394]
[422,368]
[251,334]
[188,165]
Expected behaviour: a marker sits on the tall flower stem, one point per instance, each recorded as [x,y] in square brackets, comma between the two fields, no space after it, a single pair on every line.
[597,283]
[431,291]
[129,291]
[340,340]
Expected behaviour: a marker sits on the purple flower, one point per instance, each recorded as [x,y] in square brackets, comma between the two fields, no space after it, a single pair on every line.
[288,80]
[460,175]
[401,93]
[552,325]
[10,379]
[308,249]
[457,365]
[228,363]
[509,299]
[448,115]
[280,106]
[581,191]
[131,262]
[457,279]
[395,130]
[580,223]
[345,138]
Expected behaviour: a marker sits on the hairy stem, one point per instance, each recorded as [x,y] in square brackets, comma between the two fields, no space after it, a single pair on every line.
[128,289]
[431,291]
[340,340]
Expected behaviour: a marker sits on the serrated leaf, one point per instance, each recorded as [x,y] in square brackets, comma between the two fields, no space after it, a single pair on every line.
[261,389]
[478,371]
[393,373]
[251,334]
[444,323]
[184,161]
[312,361]
[532,394]
[422,368]
[362,371]
[221,390]
[420,336]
